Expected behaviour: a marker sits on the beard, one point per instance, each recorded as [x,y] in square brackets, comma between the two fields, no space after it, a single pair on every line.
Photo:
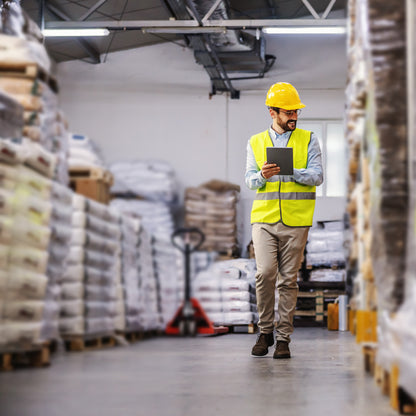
[290,125]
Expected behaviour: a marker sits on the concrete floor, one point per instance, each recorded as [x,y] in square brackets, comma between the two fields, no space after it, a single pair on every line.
[200,377]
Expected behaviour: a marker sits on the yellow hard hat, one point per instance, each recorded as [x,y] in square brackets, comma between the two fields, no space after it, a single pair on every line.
[283,95]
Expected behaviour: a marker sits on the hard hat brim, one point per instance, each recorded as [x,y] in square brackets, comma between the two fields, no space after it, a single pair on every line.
[293,107]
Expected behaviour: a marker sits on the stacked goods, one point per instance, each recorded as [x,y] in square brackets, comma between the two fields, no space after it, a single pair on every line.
[226,292]
[88,175]
[157,220]
[24,74]
[84,152]
[325,251]
[167,273]
[130,261]
[61,221]
[24,239]
[156,217]
[406,316]
[148,287]
[159,225]
[72,295]
[11,117]
[199,261]
[213,208]
[152,180]
[91,285]
[378,204]
[21,39]
[387,151]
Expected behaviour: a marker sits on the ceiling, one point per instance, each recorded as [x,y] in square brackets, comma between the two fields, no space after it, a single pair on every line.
[235,52]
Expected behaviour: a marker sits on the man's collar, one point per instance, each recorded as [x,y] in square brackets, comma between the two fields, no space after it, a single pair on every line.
[274,133]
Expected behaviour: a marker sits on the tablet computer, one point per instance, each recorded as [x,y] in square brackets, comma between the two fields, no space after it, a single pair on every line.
[282,157]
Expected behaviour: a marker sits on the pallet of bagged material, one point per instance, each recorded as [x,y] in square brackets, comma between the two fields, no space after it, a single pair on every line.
[88,342]
[91,172]
[29,70]
[35,356]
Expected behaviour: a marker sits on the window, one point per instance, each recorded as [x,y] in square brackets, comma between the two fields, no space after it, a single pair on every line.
[334,155]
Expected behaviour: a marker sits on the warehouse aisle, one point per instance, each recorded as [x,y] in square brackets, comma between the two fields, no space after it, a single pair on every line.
[198,377]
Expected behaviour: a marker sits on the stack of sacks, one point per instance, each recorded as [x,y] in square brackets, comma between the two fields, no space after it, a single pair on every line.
[199,261]
[21,39]
[156,217]
[226,291]
[325,247]
[72,296]
[387,148]
[91,287]
[25,212]
[130,262]
[61,221]
[11,116]
[148,287]
[213,208]
[101,241]
[151,180]
[83,152]
[43,122]
[166,260]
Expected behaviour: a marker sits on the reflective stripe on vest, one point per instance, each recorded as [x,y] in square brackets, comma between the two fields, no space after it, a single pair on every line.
[289,202]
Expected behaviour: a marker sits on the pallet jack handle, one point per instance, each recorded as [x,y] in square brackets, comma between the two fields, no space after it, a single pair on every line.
[193,238]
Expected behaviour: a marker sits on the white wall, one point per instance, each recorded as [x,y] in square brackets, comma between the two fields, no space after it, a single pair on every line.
[153,103]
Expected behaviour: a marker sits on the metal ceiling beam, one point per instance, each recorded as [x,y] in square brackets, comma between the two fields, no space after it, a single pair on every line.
[312,11]
[90,11]
[85,45]
[183,24]
[211,10]
[328,9]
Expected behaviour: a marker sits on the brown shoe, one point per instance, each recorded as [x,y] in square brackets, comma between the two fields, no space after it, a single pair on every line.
[261,347]
[282,350]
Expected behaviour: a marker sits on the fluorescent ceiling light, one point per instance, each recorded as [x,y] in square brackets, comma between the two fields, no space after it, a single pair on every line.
[311,30]
[75,32]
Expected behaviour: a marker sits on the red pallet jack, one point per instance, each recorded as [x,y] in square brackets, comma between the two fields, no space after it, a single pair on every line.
[190,318]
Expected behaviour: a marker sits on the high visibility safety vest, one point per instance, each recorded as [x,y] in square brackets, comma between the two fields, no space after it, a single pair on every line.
[289,202]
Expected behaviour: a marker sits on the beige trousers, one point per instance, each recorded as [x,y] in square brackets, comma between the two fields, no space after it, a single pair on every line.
[278,250]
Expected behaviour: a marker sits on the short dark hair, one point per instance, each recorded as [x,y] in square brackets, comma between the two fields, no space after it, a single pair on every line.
[275,109]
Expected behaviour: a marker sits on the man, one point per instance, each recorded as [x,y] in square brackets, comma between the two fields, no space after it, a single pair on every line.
[281,215]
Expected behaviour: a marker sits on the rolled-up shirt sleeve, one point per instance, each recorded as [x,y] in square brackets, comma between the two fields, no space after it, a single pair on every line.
[253,177]
[312,175]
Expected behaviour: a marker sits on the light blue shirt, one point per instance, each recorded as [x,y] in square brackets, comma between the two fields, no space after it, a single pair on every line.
[312,175]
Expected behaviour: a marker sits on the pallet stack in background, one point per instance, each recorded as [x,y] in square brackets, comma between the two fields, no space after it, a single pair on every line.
[28,312]
[148,190]
[376,129]
[25,74]
[89,175]
[213,207]
[226,292]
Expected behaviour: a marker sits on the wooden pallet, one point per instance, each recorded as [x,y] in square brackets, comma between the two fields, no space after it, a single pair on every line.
[28,70]
[77,343]
[369,354]
[242,329]
[388,381]
[132,336]
[35,356]
[95,189]
[91,172]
